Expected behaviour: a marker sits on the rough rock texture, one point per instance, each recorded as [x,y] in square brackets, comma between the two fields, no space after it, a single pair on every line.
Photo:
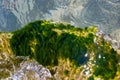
[31,70]
[22,68]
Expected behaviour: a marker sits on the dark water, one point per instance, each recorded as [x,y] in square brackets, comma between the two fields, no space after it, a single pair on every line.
[102,13]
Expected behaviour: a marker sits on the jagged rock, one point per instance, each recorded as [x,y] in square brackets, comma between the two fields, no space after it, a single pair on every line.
[31,70]
[28,70]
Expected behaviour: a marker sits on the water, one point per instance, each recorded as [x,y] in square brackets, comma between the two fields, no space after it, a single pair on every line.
[81,13]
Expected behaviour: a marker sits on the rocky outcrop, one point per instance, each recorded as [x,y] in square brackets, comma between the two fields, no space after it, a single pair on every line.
[22,68]
[31,70]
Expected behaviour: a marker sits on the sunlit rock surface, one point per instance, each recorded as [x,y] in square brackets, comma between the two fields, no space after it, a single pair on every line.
[31,70]
[26,69]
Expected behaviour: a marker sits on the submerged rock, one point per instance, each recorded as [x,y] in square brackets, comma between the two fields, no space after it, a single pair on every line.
[26,70]
[31,70]
[61,48]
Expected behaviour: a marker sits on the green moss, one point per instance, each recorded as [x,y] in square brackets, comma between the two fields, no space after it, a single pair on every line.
[47,42]
[38,40]
[66,72]
[91,78]
[106,66]
[4,75]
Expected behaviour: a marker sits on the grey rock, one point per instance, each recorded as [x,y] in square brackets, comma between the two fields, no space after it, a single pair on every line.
[31,70]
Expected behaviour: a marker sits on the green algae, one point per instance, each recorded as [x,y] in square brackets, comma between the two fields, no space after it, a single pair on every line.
[48,42]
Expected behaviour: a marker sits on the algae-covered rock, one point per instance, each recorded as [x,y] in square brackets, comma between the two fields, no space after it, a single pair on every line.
[69,52]
[47,42]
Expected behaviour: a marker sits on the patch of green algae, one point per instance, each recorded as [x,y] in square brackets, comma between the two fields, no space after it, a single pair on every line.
[62,48]
[47,42]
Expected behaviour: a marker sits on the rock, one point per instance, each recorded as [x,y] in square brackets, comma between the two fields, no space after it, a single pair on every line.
[30,70]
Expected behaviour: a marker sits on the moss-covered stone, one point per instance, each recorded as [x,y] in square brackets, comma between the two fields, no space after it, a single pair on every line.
[49,43]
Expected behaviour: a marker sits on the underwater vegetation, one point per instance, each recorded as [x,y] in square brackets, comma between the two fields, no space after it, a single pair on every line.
[47,42]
